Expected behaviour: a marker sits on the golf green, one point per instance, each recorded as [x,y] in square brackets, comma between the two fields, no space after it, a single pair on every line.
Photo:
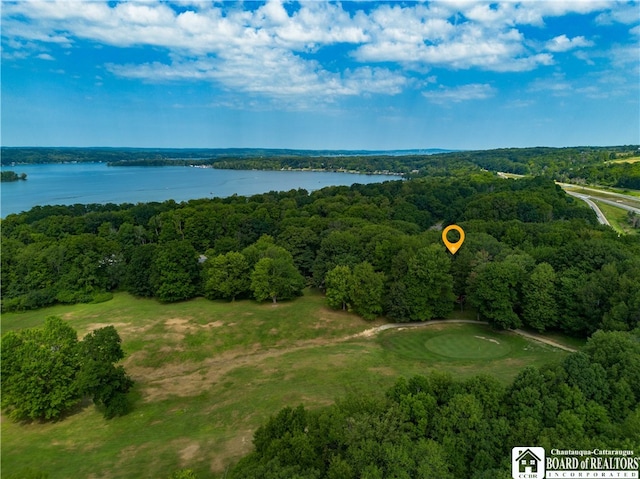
[467,346]
[454,343]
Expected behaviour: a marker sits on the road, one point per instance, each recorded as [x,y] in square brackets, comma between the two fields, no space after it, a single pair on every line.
[617,204]
[601,217]
[609,193]
[587,198]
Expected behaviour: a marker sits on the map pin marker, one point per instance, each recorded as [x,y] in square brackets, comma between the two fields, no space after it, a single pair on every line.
[452,247]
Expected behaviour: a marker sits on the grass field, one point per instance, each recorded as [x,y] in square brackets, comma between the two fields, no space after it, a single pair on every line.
[606,192]
[617,218]
[208,373]
[633,159]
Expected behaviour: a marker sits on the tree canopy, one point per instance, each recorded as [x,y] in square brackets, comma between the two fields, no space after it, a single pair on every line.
[533,256]
[47,371]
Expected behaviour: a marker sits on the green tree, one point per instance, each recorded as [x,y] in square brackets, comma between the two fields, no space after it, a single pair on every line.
[46,371]
[262,248]
[175,274]
[39,369]
[539,309]
[338,283]
[302,243]
[619,354]
[276,278]
[226,276]
[98,377]
[367,290]
[429,286]
[337,248]
[495,289]
[138,272]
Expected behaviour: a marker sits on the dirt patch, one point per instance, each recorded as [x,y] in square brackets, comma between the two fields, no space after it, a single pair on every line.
[170,349]
[488,339]
[124,329]
[190,378]
[214,324]
[234,448]
[188,453]
[180,325]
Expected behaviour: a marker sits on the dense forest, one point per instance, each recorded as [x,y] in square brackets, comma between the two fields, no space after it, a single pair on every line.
[533,256]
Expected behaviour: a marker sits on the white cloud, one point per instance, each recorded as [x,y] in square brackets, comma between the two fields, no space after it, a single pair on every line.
[562,43]
[282,76]
[623,56]
[473,91]
[458,35]
[277,52]
[45,56]
[625,12]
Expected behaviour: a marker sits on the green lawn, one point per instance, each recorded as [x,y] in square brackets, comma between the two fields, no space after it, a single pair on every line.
[208,373]
[617,217]
[606,192]
[633,159]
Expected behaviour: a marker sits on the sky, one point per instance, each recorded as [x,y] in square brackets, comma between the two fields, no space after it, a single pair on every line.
[320,75]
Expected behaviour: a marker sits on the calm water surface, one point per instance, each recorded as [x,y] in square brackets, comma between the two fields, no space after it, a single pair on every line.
[56,184]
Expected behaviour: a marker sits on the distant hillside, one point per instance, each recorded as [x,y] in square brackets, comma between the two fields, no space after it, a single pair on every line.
[29,155]
[583,164]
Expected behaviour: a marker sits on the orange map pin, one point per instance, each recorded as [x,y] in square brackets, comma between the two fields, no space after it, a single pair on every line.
[452,247]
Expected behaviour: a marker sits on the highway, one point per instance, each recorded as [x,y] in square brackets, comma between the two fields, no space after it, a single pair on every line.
[586,198]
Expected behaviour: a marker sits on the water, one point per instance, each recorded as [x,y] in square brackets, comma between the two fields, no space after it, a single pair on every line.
[56,184]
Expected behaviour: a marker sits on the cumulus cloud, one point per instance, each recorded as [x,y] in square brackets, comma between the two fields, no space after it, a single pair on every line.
[276,50]
[562,43]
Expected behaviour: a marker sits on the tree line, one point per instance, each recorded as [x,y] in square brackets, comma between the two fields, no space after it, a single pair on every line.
[12,176]
[577,164]
[533,255]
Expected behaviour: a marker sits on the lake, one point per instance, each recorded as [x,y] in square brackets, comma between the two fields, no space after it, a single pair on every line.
[56,184]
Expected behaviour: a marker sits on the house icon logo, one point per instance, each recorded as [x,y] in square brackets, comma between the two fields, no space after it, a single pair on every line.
[527,462]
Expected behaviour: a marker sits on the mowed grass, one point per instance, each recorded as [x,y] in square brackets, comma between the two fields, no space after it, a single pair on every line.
[617,217]
[209,373]
[633,159]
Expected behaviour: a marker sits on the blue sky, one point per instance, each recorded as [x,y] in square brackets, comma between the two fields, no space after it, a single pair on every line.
[349,75]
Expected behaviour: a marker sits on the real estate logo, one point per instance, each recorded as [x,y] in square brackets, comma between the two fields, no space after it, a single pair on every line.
[527,462]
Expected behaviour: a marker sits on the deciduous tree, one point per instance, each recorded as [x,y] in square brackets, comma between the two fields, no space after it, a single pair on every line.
[367,289]
[338,283]
[539,309]
[46,371]
[276,278]
[176,273]
[226,276]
